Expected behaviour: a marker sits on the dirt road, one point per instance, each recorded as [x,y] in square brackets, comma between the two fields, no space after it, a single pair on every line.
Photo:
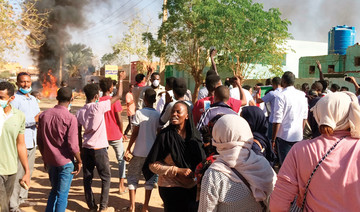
[40,184]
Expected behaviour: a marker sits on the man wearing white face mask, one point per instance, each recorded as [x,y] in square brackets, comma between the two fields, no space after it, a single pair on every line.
[155,84]
[28,105]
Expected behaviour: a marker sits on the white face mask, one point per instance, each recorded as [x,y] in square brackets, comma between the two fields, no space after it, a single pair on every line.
[156,83]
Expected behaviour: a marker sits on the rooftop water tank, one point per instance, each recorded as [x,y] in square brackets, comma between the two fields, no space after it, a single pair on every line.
[340,38]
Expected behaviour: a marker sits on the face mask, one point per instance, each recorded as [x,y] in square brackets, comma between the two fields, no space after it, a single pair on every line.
[4,103]
[155,83]
[96,101]
[69,107]
[25,91]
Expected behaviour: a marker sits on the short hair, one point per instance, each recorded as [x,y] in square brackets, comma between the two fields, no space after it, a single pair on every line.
[211,82]
[131,85]
[105,84]
[317,86]
[305,86]
[247,87]
[344,88]
[150,96]
[312,92]
[268,81]
[64,94]
[335,87]
[180,87]
[8,87]
[170,82]
[260,84]
[155,73]
[222,93]
[139,78]
[114,82]
[325,84]
[63,84]
[22,74]
[232,80]
[91,90]
[210,72]
[289,78]
[276,81]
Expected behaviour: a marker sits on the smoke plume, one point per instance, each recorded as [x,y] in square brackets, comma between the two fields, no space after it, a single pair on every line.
[312,19]
[64,14]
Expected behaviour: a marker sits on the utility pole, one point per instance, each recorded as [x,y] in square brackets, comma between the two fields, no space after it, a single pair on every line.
[162,56]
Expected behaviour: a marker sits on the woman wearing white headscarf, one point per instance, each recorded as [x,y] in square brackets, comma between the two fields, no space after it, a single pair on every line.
[335,185]
[221,187]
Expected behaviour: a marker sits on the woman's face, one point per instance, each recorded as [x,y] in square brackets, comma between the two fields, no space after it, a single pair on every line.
[179,114]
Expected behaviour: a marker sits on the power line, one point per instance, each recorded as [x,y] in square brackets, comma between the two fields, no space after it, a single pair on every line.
[115,24]
[112,13]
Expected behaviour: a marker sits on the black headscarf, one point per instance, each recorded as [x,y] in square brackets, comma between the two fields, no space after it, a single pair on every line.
[186,153]
[258,125]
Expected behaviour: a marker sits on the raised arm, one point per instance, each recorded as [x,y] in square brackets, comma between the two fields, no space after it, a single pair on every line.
[320,70]
[119,87]
[213,64]
[356,85]
[242,94]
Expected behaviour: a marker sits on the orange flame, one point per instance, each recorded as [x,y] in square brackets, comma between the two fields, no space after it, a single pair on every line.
[49,85]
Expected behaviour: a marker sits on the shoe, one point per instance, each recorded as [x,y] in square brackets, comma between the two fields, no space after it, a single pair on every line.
[27,203]
[124,192]
[108,209]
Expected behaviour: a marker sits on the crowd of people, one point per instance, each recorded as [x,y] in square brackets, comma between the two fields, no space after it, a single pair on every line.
[219,153]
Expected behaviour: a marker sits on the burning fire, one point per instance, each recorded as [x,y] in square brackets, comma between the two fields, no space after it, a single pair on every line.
[49,85]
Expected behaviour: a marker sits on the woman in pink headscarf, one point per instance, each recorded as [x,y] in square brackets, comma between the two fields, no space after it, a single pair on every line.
[334,185]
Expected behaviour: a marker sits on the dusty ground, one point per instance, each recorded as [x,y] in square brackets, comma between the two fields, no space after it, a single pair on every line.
[40,184]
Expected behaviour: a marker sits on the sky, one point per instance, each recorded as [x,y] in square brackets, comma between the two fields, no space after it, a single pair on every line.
[311,20]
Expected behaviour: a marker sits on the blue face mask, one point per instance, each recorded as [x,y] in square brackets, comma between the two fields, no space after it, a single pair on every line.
[4,103]
[25,91]
[69,107]
[96,101]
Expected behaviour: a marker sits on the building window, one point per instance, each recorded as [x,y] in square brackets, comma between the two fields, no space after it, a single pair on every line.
[331,69]
[357,61]
[311,69]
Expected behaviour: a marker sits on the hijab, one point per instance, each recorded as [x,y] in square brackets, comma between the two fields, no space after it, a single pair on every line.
[233,140]
[258,125]
[340,111]
[186,153]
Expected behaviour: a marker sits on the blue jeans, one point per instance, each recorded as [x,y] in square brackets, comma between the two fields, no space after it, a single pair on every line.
[283,148]
[60,178]
[119,151]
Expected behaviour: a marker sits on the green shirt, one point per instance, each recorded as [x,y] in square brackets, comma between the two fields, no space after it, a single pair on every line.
[13,126]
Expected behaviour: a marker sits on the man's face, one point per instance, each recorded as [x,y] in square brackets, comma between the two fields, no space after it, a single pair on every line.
[5,96]
[155,77]
[24,82]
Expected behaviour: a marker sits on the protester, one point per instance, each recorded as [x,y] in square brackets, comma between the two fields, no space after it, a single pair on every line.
[169,90]
[130,109]
[327,165]
[203,92]
[114,129]
[220,106]
[222,188]
[13,147]
[30,107]
[334,88]
[258,125]
[344,88]
[155,84]
[176,152]
[179,91]
[59,148]
[270,98]
[212,82]
[290,113]
[95,144]
[140,83]
[235,93]
[305,88]
[144,132]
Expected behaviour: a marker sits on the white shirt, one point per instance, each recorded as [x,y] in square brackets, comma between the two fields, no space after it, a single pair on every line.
[147,119]
[290,110]
[161,103]
[203,92]
[270,98]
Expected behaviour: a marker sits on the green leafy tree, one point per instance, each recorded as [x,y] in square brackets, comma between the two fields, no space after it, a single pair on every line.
[19,20]
[242,31]
[77,57]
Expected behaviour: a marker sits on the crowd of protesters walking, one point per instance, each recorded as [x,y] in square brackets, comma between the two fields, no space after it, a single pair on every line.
[216,154]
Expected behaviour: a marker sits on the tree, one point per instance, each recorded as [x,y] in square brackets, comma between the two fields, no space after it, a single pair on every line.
[131,45]
[15,25]
[77,57]
[240,29]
